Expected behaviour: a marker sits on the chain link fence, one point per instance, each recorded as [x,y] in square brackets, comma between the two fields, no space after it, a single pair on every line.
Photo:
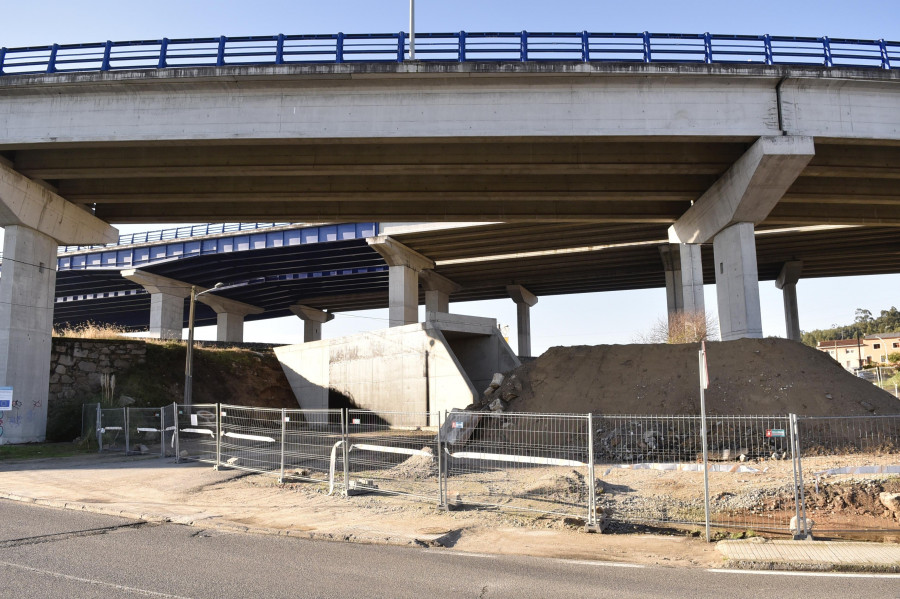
[765,473]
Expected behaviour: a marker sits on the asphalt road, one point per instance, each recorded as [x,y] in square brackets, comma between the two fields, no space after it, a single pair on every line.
[57,553]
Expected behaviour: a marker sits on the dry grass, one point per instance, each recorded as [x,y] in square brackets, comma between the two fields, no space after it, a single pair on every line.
[91,330]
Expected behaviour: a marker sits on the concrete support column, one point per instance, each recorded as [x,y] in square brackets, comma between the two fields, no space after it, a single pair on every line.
[230,316]
[312,321]
[166,315]
[524,299]
[166,302]
[404,265]
[691,278]
[737,282]
[26,323]
[684,278]
[36,220]
[787,282]
[437,292]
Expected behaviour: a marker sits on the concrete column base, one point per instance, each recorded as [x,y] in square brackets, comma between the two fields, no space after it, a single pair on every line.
[737,283]
[26,324]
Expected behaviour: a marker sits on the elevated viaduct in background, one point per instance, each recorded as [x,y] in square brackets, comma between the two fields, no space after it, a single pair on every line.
[637,153]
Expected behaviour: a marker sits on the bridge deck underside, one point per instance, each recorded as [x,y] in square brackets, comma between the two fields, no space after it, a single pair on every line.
[607,179]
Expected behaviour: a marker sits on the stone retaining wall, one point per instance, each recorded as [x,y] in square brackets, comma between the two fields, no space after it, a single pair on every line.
[76,366]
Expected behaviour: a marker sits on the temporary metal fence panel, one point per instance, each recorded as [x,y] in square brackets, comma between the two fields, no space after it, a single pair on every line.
[846,464]
[148,431]
[533,462]
[652,470]
[111,429]
[89,414]
[250,438]
[313,445]
[197,432]
[394,452]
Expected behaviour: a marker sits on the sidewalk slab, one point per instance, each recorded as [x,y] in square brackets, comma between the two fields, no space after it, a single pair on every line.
[760,553]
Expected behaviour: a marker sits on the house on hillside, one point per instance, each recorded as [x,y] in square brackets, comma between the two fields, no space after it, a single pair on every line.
[847,352]
[881,345]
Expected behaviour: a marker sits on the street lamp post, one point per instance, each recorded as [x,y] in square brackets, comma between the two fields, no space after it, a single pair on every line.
[189,357]
[412,29]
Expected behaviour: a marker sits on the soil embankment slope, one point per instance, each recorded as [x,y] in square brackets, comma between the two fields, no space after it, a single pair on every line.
[747,376]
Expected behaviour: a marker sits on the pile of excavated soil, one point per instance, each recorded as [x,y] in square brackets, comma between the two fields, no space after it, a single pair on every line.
[747,376]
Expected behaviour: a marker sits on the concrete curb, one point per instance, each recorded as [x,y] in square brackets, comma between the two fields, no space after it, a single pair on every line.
[811,566]
[225,526]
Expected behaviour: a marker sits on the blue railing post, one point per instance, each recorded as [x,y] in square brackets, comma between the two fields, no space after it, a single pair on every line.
[3,57]
[220,53]
[401,46]
[163,47]
[279,49]
[826,47]
[647,55]
[707,48]
[339,49]
[585,46]
[107,51]
[51,62]
[523,46]
[767,49]
[462,46]
[885,59]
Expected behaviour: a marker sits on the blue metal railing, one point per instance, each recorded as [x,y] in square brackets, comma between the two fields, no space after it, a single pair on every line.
[702,48]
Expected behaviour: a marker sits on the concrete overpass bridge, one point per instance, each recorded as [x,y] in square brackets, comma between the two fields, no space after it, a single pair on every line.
[700,140]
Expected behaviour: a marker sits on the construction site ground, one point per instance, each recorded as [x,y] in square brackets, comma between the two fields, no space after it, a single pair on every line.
[194,494]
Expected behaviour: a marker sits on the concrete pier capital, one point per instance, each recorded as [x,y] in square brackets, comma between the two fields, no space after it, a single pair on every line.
[432,281]
[304,312]
[26,203]
[313,319]
[397,254]
[748,190]
[158,283]
[223,305]
[520,295]
[790,274]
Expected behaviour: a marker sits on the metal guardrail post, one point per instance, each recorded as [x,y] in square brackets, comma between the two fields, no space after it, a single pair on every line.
[461,50]
[107,52]
[401,46]
[218,436]
[523,46]
[176,434]
[648,56]
[442,490]
[51,62]
[283,428]
[707,48]
[826,52]
[345,430]
[802,528]
[339,49]
[99,428]
[3,57]
[592,490]
[163,47]
[585,46]
[279,49]
[220,52]
[767,49]
[882,46]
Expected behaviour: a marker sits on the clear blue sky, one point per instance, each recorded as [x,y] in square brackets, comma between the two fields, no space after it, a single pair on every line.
[566,320]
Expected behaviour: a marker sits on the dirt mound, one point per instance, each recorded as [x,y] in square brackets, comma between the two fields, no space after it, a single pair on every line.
[417,467]
[747,376]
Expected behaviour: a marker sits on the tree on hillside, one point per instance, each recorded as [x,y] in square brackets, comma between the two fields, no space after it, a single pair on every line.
[682,327]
